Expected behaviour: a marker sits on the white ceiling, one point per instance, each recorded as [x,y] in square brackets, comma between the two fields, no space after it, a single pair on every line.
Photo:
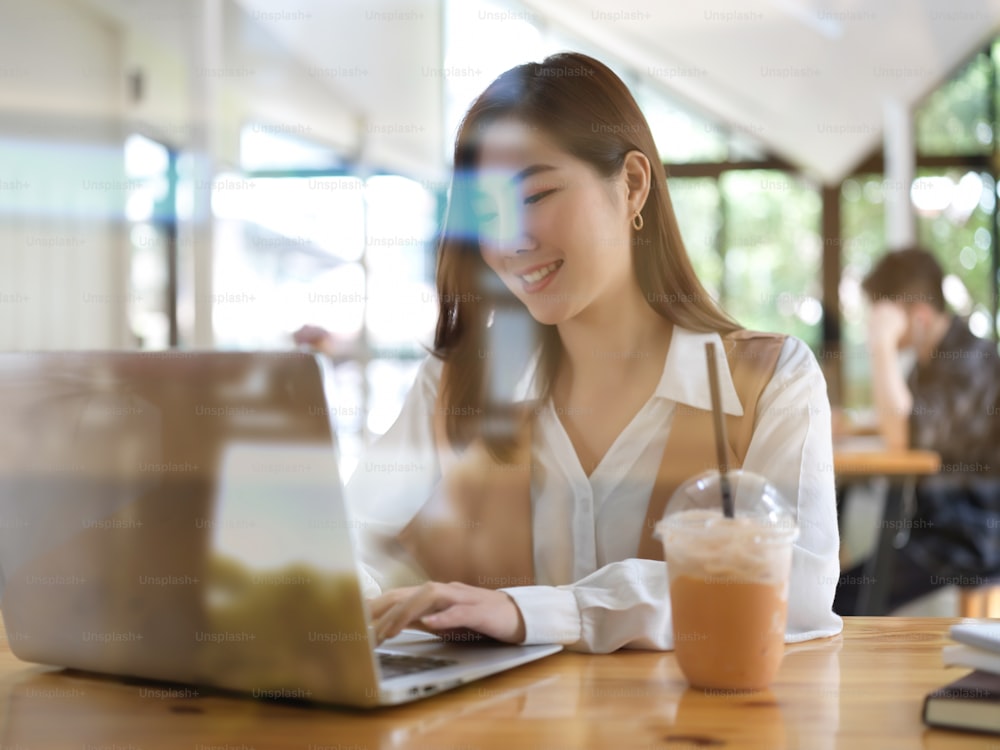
[808,78]
[380,55]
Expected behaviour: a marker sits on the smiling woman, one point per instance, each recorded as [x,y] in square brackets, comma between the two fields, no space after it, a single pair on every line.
[543,533]
[565,132]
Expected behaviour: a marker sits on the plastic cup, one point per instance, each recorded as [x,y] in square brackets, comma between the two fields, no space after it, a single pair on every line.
[728,580]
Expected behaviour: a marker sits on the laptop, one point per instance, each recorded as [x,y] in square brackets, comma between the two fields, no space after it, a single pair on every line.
[179,516]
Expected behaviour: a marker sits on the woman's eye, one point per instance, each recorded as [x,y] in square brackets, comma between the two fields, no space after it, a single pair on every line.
[536,197]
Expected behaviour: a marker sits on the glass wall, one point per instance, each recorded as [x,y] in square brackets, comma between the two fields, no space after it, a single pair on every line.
[151,212]
[753,240]
[330,248]
[327,245]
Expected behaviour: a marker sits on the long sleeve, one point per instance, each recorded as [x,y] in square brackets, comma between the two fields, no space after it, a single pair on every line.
[394,478]
[792,446]
[626,603]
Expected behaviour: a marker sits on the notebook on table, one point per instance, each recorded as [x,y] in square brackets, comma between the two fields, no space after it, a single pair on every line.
[971,702]
[982,635]
[978,646]
[179,516]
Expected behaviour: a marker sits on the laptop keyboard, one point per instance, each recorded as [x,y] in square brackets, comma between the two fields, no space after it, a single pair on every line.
[396,665]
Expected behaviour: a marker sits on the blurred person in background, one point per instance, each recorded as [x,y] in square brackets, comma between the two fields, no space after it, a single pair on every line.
[949,402]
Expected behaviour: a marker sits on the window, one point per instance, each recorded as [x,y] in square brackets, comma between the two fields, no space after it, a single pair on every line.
[152,231]
[482,39]
[773,253]
[352,255]
[680,135]
[954,198]
[863,242]
[955,119]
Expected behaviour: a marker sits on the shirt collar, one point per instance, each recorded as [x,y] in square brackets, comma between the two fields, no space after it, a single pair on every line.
[685,373]
[684,378]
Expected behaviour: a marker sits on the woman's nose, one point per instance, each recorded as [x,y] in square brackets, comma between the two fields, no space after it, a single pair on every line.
[512,236]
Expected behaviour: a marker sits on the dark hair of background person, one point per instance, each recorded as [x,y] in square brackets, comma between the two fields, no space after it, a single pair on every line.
[906,276]
[589,112]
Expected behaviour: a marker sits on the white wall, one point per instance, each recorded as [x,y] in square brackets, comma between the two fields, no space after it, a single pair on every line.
[61,179]
[256,80]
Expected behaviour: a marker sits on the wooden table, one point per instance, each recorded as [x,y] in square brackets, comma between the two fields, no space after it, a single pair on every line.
[859,457]
[862,457]
[862,689]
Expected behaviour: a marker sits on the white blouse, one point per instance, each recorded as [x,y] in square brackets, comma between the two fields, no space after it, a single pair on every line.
[592,593]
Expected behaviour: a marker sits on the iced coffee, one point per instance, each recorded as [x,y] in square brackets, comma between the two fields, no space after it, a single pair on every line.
[729,589]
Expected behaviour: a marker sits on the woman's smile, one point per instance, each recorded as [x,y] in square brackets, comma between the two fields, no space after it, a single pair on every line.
[540,276]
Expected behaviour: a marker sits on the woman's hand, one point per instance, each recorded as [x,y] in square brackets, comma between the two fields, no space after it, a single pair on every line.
[441,607]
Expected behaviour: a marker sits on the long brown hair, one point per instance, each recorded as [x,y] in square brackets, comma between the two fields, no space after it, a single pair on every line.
[591,114]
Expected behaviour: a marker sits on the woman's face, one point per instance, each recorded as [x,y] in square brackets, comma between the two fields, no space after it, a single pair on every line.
[555,231]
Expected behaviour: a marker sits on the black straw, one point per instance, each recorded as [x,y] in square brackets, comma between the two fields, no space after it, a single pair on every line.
[720,432]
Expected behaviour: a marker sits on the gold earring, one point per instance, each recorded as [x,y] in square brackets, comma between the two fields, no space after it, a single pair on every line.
[638,222]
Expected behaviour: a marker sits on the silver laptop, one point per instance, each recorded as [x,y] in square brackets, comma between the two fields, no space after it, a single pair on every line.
[179,516]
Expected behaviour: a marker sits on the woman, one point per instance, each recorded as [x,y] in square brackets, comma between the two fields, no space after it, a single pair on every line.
[543,533]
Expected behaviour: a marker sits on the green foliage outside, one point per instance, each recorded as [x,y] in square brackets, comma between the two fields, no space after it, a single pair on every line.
[763,262]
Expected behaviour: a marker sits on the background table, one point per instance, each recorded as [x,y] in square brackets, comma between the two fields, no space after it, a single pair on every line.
[866,457]
[863,689]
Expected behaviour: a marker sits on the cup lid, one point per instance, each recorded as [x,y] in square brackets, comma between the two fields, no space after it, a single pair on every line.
[754,498]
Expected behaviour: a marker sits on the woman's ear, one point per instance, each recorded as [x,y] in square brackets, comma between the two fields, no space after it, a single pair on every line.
[637,173]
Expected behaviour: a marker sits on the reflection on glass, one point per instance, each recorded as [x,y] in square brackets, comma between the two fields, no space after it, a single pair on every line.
[151,208]
[149,285]
[353,256]
[402,309]
[264,146]
[319,213]
[391,379]
[345,389]
[482,39]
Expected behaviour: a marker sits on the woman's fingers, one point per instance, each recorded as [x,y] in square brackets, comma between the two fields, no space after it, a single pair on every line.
[448,607]
[455,616]
[383,603]
[411,605]
[490,613]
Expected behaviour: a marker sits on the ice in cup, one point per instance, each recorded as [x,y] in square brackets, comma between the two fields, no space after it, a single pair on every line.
[728,579]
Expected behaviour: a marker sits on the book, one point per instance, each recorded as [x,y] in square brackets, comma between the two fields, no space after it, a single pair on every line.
[970,703]
[959,655]
[984,635]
